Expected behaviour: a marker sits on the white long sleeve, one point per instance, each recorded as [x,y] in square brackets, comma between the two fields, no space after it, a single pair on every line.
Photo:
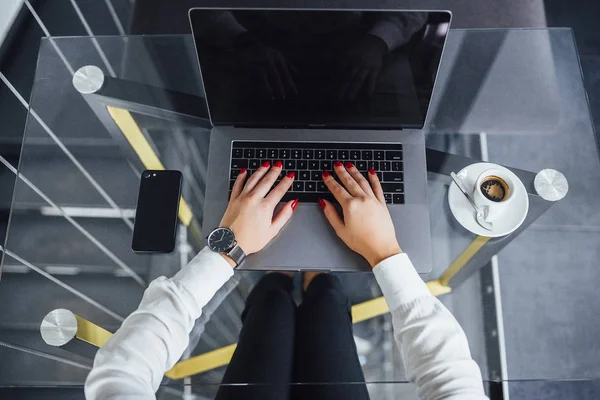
[434,347]
[151,340]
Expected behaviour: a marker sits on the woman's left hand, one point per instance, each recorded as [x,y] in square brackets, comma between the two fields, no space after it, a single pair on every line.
[252,205]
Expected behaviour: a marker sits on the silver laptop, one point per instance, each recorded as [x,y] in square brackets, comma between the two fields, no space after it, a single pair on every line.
[310,87]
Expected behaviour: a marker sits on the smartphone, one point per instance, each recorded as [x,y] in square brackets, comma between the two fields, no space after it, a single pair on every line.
[155,228]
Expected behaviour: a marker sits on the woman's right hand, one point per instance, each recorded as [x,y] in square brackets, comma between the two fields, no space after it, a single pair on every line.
[367,226]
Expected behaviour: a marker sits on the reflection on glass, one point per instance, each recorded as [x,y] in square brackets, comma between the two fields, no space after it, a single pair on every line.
[334,68]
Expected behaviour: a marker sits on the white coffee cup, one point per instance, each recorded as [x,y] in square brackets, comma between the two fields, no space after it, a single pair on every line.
[500,190]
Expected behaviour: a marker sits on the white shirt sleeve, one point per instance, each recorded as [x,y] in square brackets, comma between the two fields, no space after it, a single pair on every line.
[434,347]
[152,339]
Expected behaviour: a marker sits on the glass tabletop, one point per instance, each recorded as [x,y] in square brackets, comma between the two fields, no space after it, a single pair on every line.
[513,97]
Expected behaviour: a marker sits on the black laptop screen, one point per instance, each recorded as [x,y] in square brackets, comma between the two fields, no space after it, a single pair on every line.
[336,69]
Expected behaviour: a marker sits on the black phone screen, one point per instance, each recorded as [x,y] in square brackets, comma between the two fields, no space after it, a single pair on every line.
[155,227]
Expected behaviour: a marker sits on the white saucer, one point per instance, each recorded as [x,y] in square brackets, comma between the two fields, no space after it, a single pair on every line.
[465,214]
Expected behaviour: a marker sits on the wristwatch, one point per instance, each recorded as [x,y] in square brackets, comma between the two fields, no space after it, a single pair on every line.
[222,240]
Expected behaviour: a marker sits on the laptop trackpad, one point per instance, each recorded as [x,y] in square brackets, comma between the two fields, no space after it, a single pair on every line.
[307,242]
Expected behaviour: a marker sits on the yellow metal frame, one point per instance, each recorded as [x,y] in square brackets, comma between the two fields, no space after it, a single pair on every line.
[97,336]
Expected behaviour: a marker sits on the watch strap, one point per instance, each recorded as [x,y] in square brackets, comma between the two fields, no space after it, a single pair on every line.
[237,255]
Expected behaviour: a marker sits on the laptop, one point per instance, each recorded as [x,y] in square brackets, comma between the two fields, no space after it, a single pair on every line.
[310,87]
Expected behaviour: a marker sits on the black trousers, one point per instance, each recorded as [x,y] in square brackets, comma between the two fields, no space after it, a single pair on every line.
[311,344]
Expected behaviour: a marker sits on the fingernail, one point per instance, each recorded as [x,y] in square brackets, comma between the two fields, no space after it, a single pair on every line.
[266,164]
[294,204]
[322,204]
[371,171]
[291,175]
[243,171]
[326,174]
[349,165]
[278,164]
[337,164]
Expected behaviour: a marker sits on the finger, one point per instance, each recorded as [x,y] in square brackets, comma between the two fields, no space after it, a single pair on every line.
[348,181]
[267,182]
[338,191]
[376,185]
[263,76]
[357,83]
[286,75]
[281,189]
[283,216]
[332,216]
[359,178]
[239,184]
[275,78]
[371,82]
[256,177]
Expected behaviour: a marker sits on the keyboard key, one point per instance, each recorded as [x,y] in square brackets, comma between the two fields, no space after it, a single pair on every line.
[331,154]
[313,164]
[322,187]
[302,164]
[284,154]
[234,173]
[398,198]
[261,153]
[378,155]
[325,166]
[393,155]
[272,153]
[308,154]
[289,164]
[248,153]
[304,176]
[316,176]
[298,186]
[254,164]
[380,176]
[231,183]
[355,154]
[239,164]
[388,198]
[361,165]
[393,176]
[237,153]
[396,166]
[310,186]
[374,165]
[385,166]
[343,154]
[392,187]
[320,154]
[367,155]
[296,154]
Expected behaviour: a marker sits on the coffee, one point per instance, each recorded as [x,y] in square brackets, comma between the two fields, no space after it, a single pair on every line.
[494,188]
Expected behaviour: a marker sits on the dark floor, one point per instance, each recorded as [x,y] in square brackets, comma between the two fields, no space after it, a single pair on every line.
[18,59]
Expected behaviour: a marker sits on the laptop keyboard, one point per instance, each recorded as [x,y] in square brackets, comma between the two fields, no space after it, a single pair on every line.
[309,160]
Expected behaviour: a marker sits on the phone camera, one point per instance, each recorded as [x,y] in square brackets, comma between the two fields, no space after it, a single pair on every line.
[147,174]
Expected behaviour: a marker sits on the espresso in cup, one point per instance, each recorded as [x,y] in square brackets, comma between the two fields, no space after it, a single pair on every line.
[494,188]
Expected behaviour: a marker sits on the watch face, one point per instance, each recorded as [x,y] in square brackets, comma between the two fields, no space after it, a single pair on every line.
[221,240]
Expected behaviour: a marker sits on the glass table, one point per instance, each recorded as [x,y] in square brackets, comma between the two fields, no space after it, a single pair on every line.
[103,109]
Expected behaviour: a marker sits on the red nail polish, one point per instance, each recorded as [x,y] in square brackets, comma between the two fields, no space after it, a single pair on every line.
[278,164]
[371,171]
[266,164]
[322,204]
[349,165]
[291,175]
[243,171]
[294,204]
[337,164]
[326,174]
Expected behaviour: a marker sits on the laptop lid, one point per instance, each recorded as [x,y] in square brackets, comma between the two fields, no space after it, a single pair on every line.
[319,68]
